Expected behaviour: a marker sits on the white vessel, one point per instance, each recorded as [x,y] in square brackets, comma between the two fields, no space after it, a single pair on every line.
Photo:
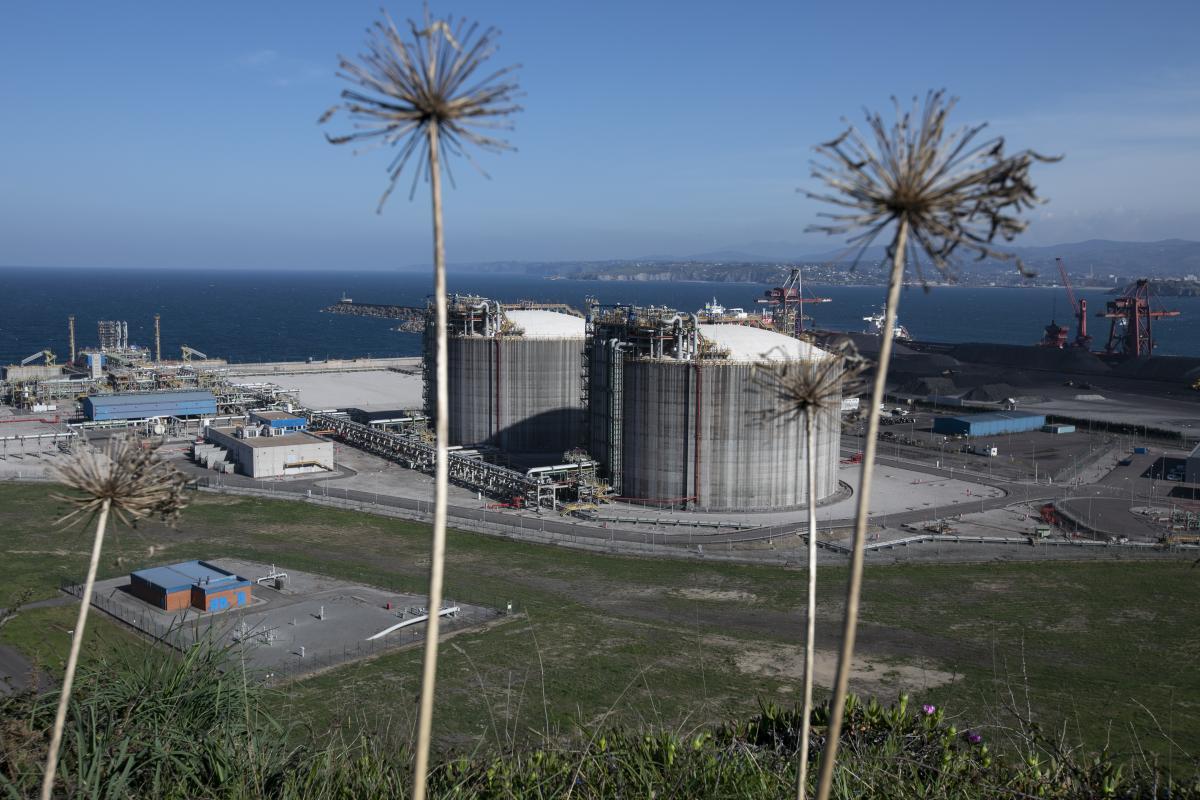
[716,310]
[875,326]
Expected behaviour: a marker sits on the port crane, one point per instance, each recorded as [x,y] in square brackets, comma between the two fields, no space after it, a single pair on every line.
[1131,333]
[1056,335]
[187,353]
[786,303]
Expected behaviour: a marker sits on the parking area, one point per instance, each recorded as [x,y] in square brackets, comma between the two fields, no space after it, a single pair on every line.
[1031,455]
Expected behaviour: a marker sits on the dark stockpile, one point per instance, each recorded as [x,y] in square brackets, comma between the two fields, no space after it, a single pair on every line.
[931,386]
[1070,360]
[991,393]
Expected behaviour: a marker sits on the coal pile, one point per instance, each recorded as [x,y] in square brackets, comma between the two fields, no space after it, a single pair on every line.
[930,386]
[991,393]
[1073,360]
[1174,369]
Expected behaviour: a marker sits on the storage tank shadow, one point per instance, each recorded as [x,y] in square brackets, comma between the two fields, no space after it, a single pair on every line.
[514,375]
[679,420]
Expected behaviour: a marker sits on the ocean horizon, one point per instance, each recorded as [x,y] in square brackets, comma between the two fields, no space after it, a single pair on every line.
[272,315]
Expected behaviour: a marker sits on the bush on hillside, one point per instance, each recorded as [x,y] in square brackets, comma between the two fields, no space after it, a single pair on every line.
[166,726]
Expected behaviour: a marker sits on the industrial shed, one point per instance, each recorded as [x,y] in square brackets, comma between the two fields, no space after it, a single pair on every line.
[190,584]
[144,405]
[261,454]
[993,423]
[1192,470]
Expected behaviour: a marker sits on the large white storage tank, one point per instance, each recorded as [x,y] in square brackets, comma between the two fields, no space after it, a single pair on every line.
[687,424]
[514,376]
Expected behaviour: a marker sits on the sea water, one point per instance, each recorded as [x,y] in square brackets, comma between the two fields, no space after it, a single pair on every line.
[258,315]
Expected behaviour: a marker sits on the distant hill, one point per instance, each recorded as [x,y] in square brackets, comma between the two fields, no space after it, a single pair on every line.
[753,261]
[1102,256]
[1131,259]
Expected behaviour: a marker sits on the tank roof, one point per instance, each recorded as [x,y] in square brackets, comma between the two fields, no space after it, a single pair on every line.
[746,343]
[540,324]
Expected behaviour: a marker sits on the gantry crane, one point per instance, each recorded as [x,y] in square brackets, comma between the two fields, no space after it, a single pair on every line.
[786,303]
[1131,333]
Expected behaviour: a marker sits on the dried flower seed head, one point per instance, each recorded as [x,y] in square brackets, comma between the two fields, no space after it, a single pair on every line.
[432,79]
[131,478]
[809,387]
[956,193]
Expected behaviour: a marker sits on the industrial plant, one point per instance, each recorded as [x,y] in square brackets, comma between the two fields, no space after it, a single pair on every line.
[617,410]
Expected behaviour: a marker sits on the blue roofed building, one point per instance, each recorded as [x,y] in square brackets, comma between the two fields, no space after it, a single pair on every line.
[144,405]
[992,423]
[190,584]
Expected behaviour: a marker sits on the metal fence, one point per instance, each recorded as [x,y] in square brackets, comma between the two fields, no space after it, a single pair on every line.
[185,630]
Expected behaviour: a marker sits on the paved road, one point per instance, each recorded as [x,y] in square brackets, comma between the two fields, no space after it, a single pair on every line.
[1013,493]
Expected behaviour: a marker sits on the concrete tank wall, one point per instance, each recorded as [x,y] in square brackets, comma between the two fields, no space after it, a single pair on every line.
[517,393]
[604,440]
[746,459]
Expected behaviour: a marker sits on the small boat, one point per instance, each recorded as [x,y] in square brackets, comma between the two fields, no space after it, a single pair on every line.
[875,327]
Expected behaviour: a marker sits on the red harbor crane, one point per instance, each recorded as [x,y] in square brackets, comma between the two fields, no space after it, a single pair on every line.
[1131,333]
[786,303]
[1056,335]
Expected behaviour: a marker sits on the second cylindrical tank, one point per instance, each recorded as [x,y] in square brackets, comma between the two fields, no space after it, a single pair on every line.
[702,430]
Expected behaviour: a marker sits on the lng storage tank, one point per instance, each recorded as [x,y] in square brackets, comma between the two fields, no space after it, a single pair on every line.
[679,415]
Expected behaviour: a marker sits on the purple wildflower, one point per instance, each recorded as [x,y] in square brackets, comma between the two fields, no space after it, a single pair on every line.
[974,738]
[928,709]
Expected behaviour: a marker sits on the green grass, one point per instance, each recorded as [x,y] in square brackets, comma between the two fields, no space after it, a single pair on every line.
[151,725]
[682,644]
[44,636]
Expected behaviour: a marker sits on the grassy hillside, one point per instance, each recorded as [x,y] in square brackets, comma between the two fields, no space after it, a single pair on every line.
[1106,649]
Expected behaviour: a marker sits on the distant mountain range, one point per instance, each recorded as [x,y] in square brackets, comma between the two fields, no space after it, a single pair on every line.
[1101,257]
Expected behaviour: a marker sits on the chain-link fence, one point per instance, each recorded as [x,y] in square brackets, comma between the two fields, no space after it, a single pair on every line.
[272,652]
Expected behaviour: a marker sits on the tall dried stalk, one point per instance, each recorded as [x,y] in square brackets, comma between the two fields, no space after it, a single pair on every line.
[946,194]
[422,95]
[805,389]
[131,482]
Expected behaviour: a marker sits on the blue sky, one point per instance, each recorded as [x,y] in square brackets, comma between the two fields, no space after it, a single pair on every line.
[184,135]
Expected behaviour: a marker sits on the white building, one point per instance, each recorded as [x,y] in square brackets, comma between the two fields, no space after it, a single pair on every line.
[272,445]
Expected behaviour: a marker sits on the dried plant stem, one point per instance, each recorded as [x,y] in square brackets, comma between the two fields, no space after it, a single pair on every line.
[811,633]
[437,554]
[837,704]
[64,698]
